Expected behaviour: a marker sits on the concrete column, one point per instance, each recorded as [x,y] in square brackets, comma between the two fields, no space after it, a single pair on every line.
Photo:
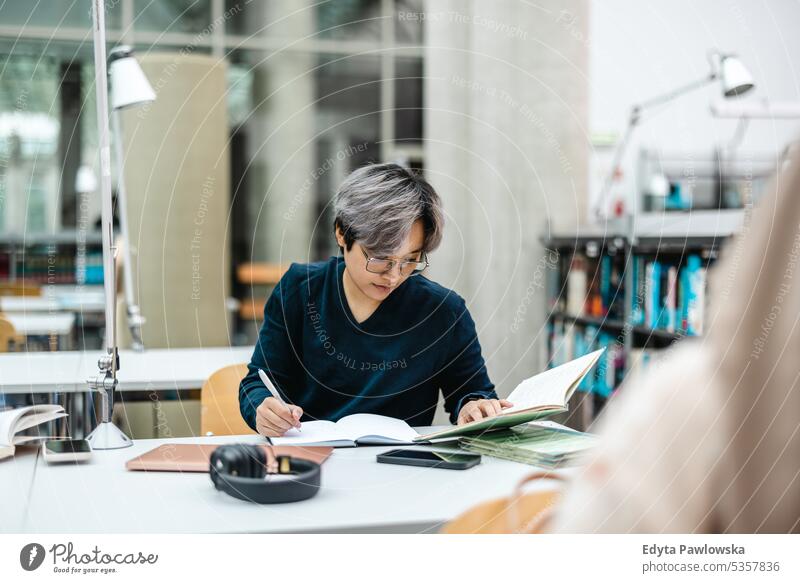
[282,154]
[178,185]
[507,148]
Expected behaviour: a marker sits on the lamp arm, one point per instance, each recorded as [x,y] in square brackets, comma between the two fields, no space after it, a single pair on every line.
[634,118]
[619,151]
[675,93]
[135,318]
[107,223]
[106,435]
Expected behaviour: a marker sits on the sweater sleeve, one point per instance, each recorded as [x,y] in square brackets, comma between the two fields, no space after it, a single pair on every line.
[274,352]
[463,376]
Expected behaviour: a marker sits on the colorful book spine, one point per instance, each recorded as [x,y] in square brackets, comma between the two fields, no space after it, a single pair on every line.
[606,296]
[638,295]
[576,287]
[671,299]
[696,313]
[694,288]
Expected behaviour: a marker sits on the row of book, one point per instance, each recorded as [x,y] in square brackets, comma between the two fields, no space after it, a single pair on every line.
[669,295]
[569,341]
[589,286]
[52,268]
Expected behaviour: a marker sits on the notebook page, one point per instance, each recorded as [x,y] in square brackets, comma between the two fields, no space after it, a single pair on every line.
[311,432]
[369,425]
[550,388]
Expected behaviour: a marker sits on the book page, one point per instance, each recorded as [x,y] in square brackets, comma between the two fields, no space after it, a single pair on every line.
[13,421]
[313,433]
[535,398]
[8,420]
[32,419]
[367,425]
[553,387]
[501,421]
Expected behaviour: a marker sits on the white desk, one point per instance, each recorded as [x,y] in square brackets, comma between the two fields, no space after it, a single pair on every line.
[153,370]
[39,324]
[67,301]
[157,369]
[167,368]
[17,476]
[26,304]
[357,495]
[39,372]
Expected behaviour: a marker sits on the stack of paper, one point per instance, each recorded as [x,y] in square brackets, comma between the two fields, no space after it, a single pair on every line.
[533,444]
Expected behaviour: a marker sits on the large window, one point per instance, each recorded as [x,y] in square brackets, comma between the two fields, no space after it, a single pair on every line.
[315,89]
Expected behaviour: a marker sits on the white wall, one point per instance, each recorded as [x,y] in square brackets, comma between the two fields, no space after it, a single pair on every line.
[641,49]
[506,100]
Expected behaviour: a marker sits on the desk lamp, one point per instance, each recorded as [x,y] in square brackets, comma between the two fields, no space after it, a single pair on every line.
[129,87]
[106,435]
[734,80]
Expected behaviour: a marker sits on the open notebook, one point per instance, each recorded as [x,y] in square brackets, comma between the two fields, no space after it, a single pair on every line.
[16,421]
[358,429]
[540,396]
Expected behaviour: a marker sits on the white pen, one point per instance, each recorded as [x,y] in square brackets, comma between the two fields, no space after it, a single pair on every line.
[271,388]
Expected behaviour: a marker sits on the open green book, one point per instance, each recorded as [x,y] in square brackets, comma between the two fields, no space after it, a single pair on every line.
[535,443]
[535,398]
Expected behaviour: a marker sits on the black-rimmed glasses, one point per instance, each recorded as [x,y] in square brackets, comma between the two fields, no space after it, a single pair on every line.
[376,265]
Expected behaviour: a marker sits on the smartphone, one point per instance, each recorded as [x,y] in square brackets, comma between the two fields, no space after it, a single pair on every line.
[430,459]
[66,450]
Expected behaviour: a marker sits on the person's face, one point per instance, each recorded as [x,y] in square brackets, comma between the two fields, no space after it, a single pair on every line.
[378,286]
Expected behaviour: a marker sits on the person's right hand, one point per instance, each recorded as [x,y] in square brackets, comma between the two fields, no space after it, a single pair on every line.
[273,418]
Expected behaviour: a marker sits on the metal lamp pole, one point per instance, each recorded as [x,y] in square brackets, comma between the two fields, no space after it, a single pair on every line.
[106,435]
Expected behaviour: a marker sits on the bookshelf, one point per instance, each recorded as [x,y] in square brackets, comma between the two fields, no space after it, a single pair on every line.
[635,286]
[63,258]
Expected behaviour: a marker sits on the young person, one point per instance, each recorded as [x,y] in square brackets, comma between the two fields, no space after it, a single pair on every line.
[365,332]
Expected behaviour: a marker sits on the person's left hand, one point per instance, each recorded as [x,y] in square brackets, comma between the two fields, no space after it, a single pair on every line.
[481,408]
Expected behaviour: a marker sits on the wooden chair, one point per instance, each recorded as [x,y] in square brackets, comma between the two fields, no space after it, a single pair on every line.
[260,273]
[9,336]
[219,403]
[20,288]
[251,274]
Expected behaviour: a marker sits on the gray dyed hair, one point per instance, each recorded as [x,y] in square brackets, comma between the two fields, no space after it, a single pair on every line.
[377,205]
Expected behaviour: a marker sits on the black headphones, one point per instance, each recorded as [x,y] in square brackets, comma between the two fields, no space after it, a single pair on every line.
[240,470]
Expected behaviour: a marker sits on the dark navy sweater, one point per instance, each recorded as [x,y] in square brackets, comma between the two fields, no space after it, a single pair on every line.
[420,340]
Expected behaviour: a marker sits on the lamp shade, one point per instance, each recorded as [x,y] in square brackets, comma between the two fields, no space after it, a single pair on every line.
[734,76]
[658,186]
[85,180]
[129,86]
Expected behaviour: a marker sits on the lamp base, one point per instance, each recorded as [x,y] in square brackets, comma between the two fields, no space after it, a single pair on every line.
[108,436]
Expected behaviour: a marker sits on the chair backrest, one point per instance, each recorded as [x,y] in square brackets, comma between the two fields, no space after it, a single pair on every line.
[260,273]
[257,274]
[8,334]
[20,288]
[219,402]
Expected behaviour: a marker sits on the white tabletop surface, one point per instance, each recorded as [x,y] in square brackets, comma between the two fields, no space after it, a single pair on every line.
[357,495]
[39,372]
[41,324]
[157,369]
[71,302]
[167,368]
[27,304]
